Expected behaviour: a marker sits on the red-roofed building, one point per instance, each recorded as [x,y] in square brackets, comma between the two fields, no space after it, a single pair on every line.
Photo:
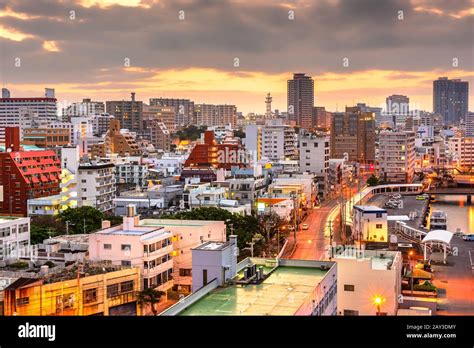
[210,154]
[25,175]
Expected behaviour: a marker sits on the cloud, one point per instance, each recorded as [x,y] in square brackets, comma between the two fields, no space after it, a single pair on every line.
[214,32]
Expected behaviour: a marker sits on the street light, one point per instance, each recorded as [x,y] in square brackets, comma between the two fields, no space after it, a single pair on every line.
[378,300]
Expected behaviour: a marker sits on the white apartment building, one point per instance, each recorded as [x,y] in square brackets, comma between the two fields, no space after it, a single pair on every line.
[397,156]
[85,108]
[368,282]
[13,109]
[461,150]
[253,141]
[203,195]
[369,224]
[14,235]
[129,244]
[80,128]
[96,185]
[314,153]
[132,172]
[278,141]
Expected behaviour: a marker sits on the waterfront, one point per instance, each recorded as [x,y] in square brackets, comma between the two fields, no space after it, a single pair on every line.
[460,215]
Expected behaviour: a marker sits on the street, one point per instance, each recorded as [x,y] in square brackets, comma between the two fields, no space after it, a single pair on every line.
[311,243]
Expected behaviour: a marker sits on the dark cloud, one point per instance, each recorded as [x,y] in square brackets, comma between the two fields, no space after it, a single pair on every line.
[259,33]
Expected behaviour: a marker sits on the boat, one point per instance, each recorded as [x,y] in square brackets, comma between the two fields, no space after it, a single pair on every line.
[438,220]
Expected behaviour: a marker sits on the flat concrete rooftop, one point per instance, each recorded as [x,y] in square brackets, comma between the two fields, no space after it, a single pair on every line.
[282,293]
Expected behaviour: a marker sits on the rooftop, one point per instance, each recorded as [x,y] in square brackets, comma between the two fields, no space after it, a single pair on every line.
[369,208]
[282,293]
[380,259]
[177,222]
[213,246]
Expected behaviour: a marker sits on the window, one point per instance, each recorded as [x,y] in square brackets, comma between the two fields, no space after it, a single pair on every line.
[350,312]
[90,295]
[315,144]
[126,263]
[108,246]
[23,301]
[348,287]
[126,247]
[378,226]
[185,272]
[112,290]
[126,286]
[378,215]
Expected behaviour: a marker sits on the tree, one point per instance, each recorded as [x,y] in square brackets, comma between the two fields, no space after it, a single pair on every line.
[78,217]
[245,227]
[239,133]
[150,297]
[43,227]
[373,180]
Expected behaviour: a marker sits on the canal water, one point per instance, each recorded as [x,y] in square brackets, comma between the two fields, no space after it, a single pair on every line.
[460,215]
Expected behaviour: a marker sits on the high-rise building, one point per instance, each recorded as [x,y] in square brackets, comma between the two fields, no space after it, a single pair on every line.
[397,156]
[216,115]
[278,141]
[451,99]
[129,113]
[397,104]
[353,135]
[184,109]
[470,124]
[301,100]
[12,110]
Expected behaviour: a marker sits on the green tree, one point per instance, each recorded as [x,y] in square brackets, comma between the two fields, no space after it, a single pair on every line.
[78,217]
[43,227]
[150,297]
[245,227]
[373,180]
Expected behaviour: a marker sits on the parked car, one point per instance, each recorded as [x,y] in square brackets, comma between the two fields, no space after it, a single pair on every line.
[468,237]
[304,226]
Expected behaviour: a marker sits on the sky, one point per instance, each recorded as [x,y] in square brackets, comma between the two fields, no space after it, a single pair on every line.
[235,52]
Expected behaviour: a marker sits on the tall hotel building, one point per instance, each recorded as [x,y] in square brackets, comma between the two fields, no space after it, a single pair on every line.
[301,100]
[13,110]
[451,99]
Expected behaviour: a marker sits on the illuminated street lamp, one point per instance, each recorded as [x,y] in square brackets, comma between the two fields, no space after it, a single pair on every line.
[378,300]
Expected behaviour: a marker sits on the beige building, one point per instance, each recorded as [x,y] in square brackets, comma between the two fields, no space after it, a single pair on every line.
[118,141]
[397,156]
[165,114]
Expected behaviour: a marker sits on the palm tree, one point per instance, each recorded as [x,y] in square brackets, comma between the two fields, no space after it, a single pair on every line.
[150,296]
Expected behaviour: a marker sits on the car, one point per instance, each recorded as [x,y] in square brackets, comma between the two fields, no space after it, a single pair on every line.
[397,196]
[420,198]
[304,226]
[468,237]
[290,227]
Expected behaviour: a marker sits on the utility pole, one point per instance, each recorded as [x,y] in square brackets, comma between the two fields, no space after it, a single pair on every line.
[330,240]
[84,225]
[67,227]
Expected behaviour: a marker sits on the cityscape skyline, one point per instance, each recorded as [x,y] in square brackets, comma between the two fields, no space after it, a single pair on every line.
[69,54]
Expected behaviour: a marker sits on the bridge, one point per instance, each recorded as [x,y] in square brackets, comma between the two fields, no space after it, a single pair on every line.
[452,191]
